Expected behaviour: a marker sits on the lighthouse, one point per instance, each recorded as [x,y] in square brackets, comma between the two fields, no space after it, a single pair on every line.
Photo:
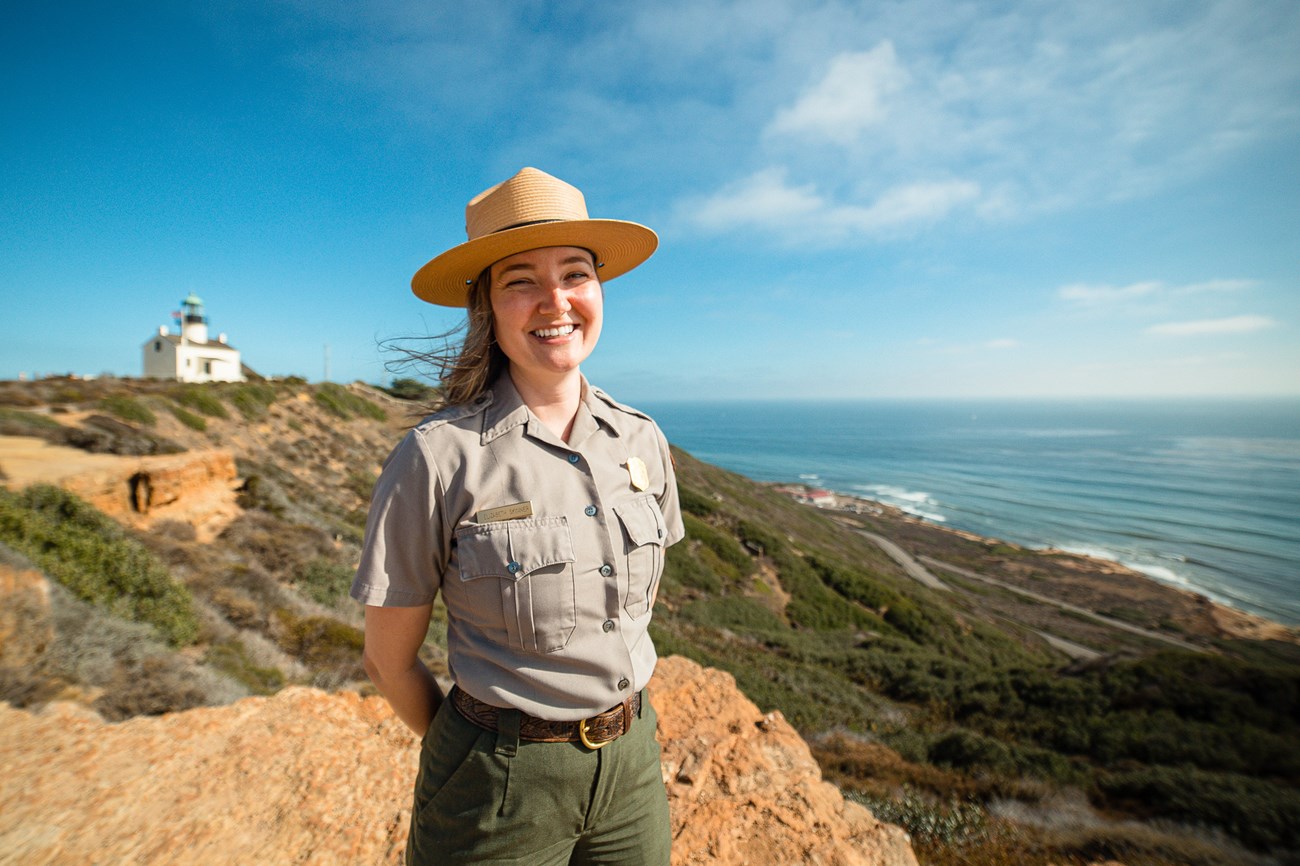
[190,356]
[194,322]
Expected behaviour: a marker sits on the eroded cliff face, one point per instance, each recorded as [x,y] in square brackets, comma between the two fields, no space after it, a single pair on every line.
[306,776]
[196,487]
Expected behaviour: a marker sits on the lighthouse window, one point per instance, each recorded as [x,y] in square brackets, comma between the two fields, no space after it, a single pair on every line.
[157,345]
[207,367]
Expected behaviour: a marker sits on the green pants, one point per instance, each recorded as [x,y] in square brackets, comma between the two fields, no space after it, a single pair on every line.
[489,799]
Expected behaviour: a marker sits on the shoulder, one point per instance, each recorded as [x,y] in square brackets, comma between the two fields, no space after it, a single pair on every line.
[452,416]
[600,394]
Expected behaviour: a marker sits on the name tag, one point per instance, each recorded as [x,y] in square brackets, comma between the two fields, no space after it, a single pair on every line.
[515,511]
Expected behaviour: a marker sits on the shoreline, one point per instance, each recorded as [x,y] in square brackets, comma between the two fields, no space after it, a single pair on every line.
[1230,620]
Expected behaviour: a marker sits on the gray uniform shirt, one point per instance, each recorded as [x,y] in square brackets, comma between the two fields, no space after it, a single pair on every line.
[546,613]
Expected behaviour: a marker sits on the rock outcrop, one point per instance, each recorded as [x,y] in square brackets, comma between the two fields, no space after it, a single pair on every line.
[309,777]
[196,487]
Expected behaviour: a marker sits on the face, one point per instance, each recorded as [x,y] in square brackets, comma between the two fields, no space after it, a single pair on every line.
[546,307]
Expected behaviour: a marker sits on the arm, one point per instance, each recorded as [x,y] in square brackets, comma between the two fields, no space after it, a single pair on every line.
[391,659]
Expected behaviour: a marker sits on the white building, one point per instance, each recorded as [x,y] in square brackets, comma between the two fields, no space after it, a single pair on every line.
[190,356]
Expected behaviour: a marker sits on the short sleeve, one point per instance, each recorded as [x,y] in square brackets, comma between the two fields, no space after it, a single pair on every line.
[669,502]
[405,550]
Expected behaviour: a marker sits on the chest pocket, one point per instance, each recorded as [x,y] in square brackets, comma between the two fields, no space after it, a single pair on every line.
[643,540]
[525,566]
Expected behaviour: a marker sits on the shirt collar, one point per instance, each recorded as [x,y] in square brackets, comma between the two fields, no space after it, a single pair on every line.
[507,410]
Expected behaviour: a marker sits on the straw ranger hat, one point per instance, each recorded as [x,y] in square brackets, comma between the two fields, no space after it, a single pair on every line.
[529,211]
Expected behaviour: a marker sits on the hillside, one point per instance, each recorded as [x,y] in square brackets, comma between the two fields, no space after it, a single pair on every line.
[1025,707]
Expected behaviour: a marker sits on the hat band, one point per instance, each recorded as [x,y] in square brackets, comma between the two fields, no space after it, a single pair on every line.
[521,225]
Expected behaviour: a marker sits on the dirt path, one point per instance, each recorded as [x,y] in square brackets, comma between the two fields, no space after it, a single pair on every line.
[1063,605]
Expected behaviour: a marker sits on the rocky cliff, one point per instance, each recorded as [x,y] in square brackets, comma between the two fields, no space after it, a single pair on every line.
[306,776]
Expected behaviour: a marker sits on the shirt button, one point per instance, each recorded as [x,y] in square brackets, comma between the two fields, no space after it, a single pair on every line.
[623,683]
[609,625]
[606,570]
[513,568]
[573,458]
[590,511]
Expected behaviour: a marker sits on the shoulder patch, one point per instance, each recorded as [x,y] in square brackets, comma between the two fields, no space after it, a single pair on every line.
[605,398]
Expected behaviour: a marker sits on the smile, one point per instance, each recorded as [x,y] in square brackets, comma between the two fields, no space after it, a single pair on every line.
[561,331]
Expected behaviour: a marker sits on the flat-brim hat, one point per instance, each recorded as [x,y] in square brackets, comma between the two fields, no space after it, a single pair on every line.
[529,211]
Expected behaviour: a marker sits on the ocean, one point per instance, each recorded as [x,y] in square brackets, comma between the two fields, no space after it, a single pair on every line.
[1201,494]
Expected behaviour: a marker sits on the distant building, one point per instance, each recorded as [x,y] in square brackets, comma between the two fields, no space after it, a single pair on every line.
[190,356]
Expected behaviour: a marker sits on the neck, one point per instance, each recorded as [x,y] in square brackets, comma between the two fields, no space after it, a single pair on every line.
[554,402]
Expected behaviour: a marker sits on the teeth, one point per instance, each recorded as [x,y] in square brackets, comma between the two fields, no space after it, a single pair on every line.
[554,332]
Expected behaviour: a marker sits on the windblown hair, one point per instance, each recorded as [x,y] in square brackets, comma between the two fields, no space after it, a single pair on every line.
[467,366]
[468,370]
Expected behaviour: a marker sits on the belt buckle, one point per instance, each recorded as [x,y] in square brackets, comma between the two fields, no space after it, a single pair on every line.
[582,735]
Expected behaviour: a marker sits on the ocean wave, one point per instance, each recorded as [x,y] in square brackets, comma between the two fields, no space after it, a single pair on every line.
[1162,573]
[909,501]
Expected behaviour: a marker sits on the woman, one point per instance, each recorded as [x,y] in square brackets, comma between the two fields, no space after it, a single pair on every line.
[541,509]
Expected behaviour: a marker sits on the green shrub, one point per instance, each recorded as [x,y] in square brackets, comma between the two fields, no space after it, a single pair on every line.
[728,551]
[955,822]
[965,749]
[694,502]
[189,419]
[1260,813]
[324,581]
[16,422]
[683,568]
[251,399]
[322,643]
[733,612]
[129,409]
[410,389]
[94,558]
[231,658]
[341,402]
[201,399]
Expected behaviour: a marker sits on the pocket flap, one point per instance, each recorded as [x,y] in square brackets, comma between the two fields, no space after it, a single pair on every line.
[491,549]
[642,520]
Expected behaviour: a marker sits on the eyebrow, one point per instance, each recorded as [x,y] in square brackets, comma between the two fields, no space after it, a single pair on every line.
[525,266]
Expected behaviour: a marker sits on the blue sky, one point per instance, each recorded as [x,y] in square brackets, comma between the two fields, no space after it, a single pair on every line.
[924,199]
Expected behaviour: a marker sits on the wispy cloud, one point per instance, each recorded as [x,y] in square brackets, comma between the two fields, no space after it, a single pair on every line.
[1204,327]
[851,98]
[1083,293]
[767,201]
[1088,294]
[1003,343]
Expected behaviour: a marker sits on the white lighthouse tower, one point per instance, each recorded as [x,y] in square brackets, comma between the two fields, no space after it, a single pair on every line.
[190,356]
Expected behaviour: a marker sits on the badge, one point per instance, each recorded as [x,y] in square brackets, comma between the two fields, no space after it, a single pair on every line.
[640,475]
[515,511]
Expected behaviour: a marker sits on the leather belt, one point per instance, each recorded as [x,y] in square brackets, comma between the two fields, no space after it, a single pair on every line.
[595,732]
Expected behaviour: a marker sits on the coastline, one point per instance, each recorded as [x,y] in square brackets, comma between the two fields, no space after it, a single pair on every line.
[1229,622]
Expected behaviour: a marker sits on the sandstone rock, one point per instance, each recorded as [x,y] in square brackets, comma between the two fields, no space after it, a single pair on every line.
[310,777]
[25,625]
[744,788]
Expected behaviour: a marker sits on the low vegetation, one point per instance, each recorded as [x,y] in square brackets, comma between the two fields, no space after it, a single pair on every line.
[934,709]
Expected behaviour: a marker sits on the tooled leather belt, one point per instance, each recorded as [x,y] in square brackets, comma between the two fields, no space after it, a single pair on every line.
[597,731]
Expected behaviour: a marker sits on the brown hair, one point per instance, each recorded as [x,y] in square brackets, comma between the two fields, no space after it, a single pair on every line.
[466,367]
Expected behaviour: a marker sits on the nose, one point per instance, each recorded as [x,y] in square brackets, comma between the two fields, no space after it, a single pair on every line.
[556,300]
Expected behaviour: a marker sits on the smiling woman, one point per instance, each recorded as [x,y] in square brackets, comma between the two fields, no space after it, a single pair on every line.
[540,508]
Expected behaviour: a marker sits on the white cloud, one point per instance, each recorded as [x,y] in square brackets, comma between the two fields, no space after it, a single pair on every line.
[1004,343]
[1097,295]
[799,214]
[1083,293]
[853,96]
[1229,325]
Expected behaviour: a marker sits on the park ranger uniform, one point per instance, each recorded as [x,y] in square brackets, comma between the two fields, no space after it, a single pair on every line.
[548,556]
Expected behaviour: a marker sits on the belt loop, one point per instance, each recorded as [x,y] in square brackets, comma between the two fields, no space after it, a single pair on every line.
[508,733]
